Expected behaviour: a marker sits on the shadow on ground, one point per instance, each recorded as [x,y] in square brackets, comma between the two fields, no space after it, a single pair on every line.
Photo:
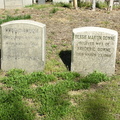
[66,58]
[97,109]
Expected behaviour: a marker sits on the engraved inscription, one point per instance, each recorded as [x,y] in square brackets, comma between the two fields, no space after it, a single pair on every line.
[23,45]
[92,45]
[19,39]
[94,37]
[94,49]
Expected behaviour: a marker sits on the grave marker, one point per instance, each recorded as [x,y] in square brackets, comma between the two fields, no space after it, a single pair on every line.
[23,45]
[27,2]
[63,1]
[13,4]
[2,4]
[41,1]
[10,4]
[94,49]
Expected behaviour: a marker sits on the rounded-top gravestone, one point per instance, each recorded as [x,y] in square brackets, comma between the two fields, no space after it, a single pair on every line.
[94,49]
[14,4]
[23,45]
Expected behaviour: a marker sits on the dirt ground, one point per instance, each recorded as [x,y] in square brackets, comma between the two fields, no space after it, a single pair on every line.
[61,23]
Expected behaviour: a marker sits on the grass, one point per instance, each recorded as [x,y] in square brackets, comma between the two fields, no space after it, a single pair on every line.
[102,104]
[64,5]
[105,23]
[116,7]
[13,108]
[84,4]
[10,18]
[102,5]
[36,6]
[54,10]
[46,95]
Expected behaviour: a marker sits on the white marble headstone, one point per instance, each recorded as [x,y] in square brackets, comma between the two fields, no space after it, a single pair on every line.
[23,45]
[63,1]
[11,4]
[41,1]
[1,4]
[14,4]
[94,49]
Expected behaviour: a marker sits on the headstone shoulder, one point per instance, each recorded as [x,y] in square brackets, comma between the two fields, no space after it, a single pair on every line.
[95,29]
[24,22]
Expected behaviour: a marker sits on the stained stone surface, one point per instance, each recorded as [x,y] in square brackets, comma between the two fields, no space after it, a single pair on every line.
[94,49]
[2,4]
[27,2]
[63,1]
[13,4]
[23,45]
[10,4]
[41,1]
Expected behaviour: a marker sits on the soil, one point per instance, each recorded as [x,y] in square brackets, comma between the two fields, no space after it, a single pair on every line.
[61,23]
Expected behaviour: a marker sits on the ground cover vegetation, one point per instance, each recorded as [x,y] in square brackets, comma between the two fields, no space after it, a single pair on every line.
[11,18]
[56,93]
[25,95]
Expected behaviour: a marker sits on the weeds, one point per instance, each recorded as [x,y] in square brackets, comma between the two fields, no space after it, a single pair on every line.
[54,10]
[102,5]
[61,4]
[10,18]
[105,23]
[86,20]
[81,4]
[95,77]
[54,46]
[16,11]
[39,6]
[50,96]
[12,107]
[53,99]
[116,6]
[65,5]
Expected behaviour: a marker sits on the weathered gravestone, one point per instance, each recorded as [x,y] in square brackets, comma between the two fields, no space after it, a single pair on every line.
[13,4]
[9,4]
[63,1]
[27,2]
[23,45]
[41,1]
[2,4]
[94,49]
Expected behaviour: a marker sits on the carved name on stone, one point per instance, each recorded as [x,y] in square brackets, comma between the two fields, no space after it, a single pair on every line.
[23,45]
[94,49]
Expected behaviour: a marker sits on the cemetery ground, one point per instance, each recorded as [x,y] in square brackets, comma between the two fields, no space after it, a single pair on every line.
[56,93]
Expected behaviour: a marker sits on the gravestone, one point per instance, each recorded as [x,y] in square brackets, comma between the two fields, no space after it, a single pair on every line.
[27,2]
[94,49]
[13,4]
[10,4]
[34,1]
[63,1]
[2,4]
[23,45]
[41,1]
